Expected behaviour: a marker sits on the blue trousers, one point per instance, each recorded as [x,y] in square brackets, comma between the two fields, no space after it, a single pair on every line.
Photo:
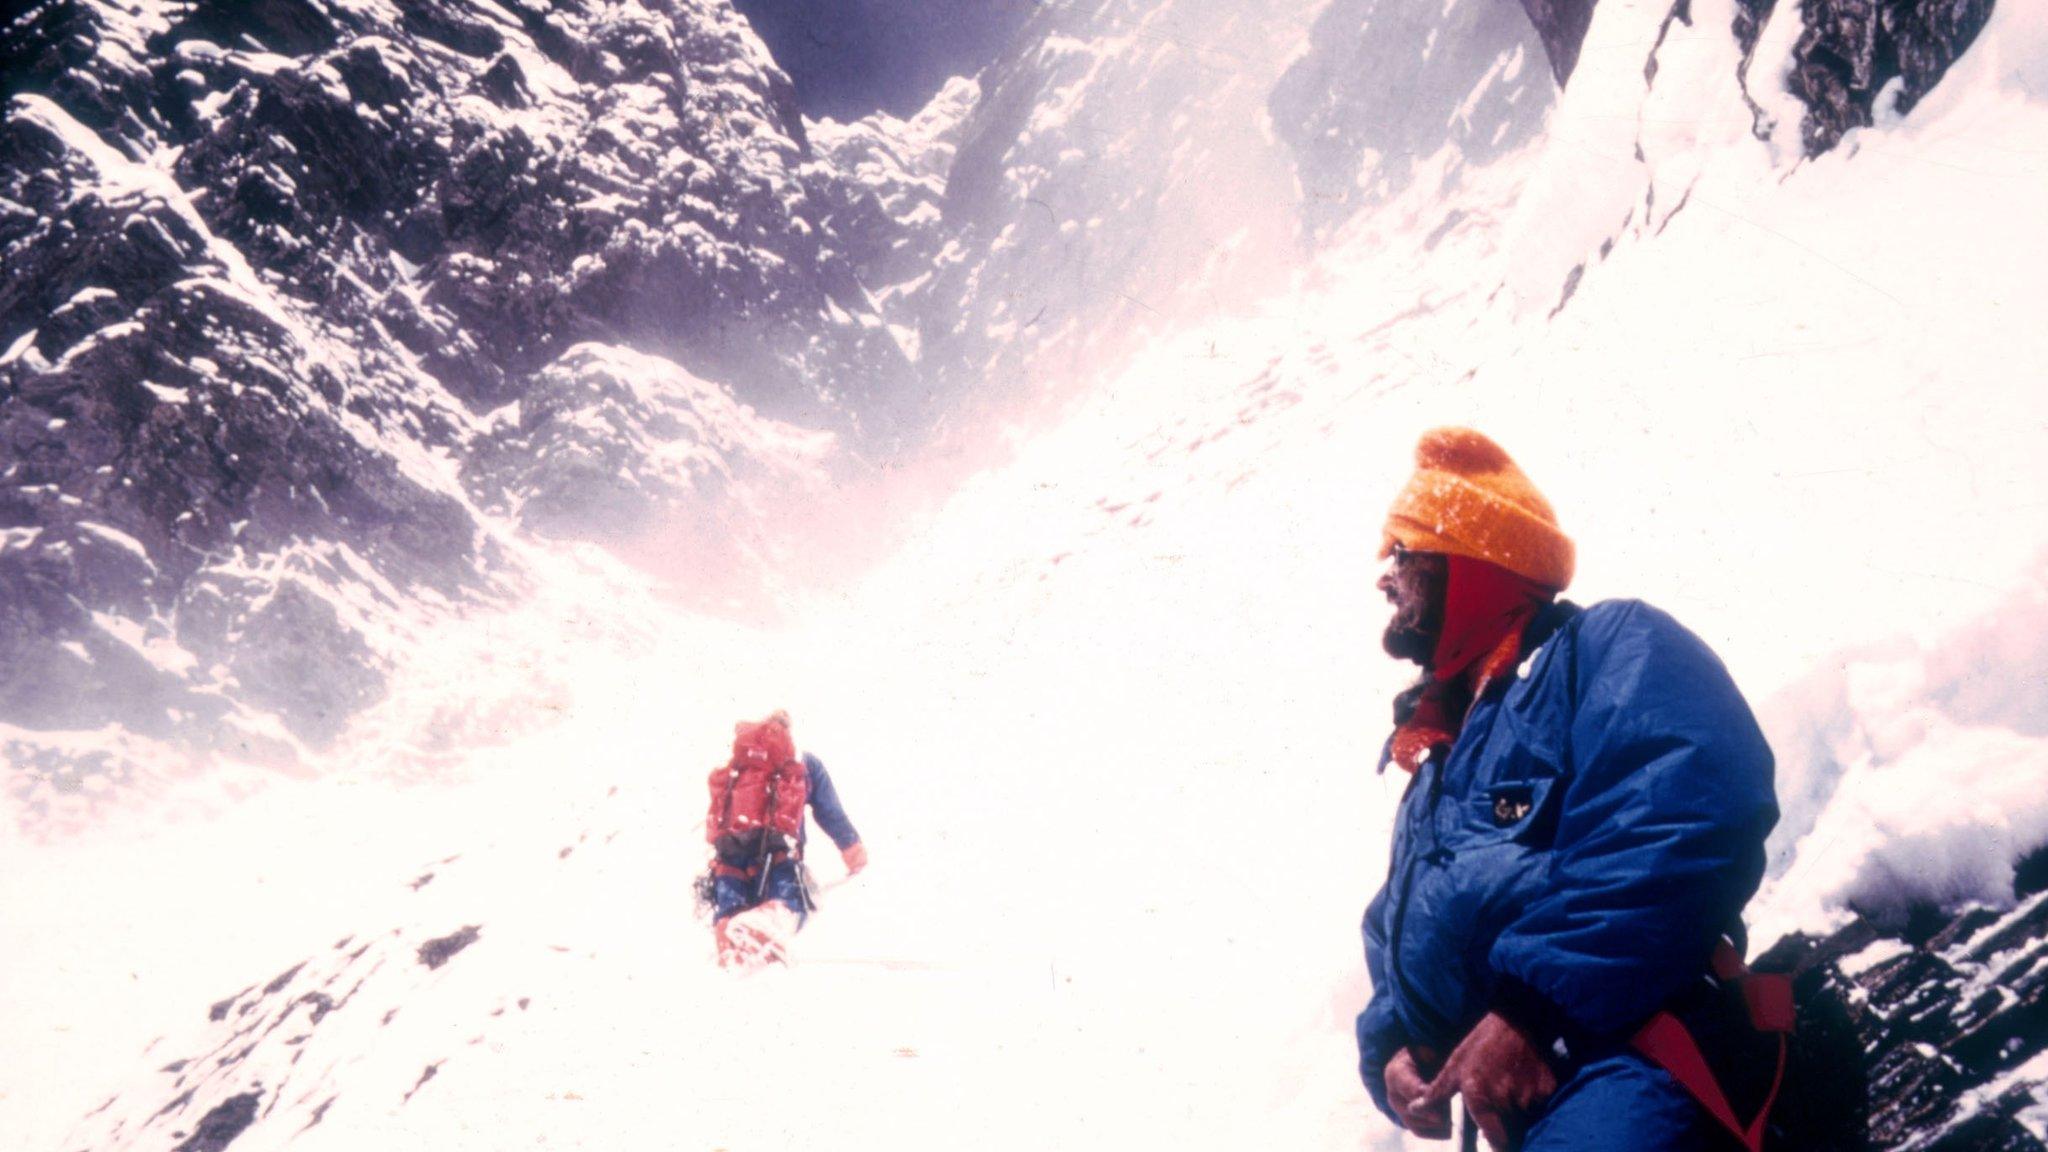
[1623,1103]
[734,892]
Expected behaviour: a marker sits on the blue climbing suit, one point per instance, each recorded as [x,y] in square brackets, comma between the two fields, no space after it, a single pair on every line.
[1596,826]
[733,891]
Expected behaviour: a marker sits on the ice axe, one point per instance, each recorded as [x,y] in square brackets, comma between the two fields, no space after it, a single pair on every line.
[763,863]
[767,858]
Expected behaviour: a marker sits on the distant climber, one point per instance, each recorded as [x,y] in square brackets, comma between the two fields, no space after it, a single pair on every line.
[1558,937]
[758,888]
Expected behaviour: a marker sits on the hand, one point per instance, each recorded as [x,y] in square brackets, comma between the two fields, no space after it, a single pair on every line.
[1502,1077]
[1405,1092]
[856,857]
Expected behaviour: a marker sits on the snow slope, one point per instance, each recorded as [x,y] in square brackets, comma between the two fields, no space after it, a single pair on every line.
[1107,720]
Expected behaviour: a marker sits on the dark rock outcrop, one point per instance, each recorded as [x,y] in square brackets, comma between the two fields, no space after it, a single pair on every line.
[1849,51]
[1951,1027]
[1852,49]
[442,949]
[1562,24]
[225,1121]
[1847,54]
[2030,875]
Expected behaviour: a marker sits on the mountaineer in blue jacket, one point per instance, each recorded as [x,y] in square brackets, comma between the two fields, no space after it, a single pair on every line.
[733,889]
[757,907]
[1584,821]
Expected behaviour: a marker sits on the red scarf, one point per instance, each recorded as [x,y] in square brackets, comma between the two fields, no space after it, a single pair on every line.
[1486,610]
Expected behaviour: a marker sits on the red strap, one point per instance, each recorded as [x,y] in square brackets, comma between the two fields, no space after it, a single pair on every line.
[1769,1000]
[1667,1043]
[1756,1128]
[1726,962]
[1670,1045]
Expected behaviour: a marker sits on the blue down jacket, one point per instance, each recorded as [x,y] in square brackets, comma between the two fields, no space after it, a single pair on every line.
[1597,825]
[825,807]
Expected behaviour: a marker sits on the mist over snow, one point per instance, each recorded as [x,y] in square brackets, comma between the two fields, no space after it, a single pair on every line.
[1032,452]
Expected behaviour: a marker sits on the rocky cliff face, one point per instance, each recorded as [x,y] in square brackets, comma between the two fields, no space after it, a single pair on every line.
[1117,172]
[310,303]
[1368,111]
[1853,52]
[887,179]
[490,183]
[1849,51]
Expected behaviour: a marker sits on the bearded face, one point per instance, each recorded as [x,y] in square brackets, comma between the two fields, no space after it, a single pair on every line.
[1414,584]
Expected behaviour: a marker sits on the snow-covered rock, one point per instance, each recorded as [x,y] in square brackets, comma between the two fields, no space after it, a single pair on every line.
[1950,1018]
[884,167]
[278,273]
[1858,60]
[1390,90]
[1118,171]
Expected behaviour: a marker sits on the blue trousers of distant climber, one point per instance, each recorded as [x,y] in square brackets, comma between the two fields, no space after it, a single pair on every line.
[733,892]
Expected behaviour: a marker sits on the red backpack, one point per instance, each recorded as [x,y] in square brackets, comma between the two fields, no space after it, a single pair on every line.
[757,799]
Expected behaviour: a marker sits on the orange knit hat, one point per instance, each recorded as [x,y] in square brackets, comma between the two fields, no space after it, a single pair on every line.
[1467,498]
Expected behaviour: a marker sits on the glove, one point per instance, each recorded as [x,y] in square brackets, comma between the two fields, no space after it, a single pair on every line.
[855,855]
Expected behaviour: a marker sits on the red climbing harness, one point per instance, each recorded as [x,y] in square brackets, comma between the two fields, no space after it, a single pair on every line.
[1667,1042]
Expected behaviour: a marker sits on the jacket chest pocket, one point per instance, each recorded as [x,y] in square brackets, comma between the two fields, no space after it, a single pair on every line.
[1512,803]
[1522,810]
[1512,798]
